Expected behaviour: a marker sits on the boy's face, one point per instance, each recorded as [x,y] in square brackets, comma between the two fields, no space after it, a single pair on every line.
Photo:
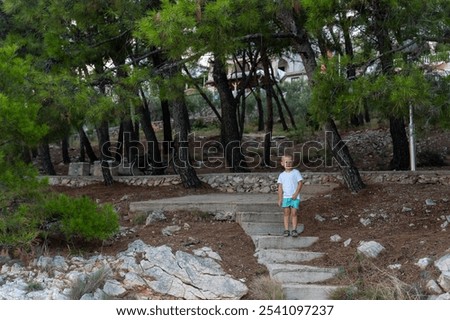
[287,162]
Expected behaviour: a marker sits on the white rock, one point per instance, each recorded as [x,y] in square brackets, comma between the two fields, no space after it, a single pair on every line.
[87,296]
[170,230]
[133,280]
[365,222]
[114,288]
[319,218]
[445,296]
[335,238]
[433,287]
[44,262]
[423,263]
[180,274]
[396,266]
[155,216]
[443,263]
[224,215]
[444,281]
[347,242]
[207,252]
[59,263]
[370,249]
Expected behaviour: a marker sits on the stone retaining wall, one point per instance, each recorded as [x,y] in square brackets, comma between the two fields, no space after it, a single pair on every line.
[262,182]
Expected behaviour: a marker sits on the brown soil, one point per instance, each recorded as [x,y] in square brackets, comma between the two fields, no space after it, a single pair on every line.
[407,236]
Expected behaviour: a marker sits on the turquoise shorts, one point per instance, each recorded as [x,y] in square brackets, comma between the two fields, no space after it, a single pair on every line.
[290,203]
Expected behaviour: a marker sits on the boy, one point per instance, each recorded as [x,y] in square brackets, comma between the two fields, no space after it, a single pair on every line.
[289,186]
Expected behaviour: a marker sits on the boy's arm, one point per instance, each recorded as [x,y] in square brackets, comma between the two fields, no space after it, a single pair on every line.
[297,191]
[280,194]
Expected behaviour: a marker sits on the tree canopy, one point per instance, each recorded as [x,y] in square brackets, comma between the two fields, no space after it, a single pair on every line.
[69,64]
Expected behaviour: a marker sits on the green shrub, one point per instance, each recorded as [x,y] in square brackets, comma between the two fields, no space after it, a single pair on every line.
[19,184]
[18,228]
[74,218]
[28,212]
[82,217]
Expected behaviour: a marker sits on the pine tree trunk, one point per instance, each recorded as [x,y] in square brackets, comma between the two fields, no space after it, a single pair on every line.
[340,152]
[242,117]
[47,165]
[229,125]
[130,140]
[65,150]
[280,111]
[269,104]
[27,155]
[152,141]
[158,60]
[181,163]
[120,150]
[82,157]
[260,108]
[342,155]
[84,141]
[400,158]
[105,153]
[291,116]
[167,127]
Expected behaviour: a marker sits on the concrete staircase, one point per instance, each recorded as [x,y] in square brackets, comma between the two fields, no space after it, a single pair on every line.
[285,257]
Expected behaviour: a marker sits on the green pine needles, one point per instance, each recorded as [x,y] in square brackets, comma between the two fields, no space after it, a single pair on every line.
[29,214]
[81,217]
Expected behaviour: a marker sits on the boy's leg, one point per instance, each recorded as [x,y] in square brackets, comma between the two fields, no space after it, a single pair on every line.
[294,232]
[294,219]
[286,217]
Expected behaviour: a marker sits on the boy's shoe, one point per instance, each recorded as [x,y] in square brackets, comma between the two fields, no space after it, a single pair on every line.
[286,233]
[294,233]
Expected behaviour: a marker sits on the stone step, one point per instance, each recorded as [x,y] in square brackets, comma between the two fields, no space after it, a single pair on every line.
[263,228]
[266,207]
[269,206]
[280,242]
[266,228]
[296,273]
[266,256]
[295,291]
[272,216]
[203,206]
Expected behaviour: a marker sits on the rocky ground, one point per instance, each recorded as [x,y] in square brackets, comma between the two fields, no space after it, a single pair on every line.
[408,220]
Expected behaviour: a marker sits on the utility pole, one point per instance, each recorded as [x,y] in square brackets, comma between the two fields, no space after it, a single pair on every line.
[412,143]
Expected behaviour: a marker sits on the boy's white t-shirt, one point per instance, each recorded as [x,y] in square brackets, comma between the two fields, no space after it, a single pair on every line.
[289,181]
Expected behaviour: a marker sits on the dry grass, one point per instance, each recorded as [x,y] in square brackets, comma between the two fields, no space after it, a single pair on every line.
[89,285]
[377,284]
[265,288]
